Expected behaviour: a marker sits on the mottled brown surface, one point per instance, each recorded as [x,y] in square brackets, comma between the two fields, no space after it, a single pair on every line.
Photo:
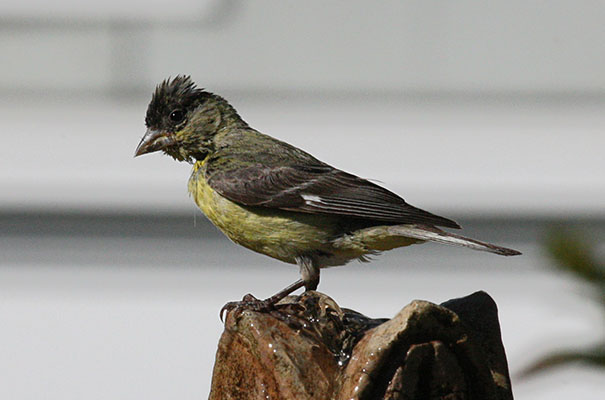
[310,348]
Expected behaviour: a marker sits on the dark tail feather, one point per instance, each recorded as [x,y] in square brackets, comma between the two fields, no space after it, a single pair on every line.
[433,234]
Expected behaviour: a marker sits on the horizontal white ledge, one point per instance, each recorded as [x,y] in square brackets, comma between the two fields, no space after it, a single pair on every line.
[450,201]
[448,158]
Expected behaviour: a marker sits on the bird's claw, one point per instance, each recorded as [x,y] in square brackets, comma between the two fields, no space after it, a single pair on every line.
[248,303]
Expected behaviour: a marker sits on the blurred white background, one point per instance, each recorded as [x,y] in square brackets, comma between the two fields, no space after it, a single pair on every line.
[491,113]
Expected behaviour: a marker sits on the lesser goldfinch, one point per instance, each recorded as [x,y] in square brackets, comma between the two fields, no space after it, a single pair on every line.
[278,200]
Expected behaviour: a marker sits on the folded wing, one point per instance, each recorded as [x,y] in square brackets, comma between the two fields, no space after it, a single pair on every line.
[317,189]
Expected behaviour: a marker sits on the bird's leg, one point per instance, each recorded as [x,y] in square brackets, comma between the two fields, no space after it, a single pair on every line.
[310,279]
[285,292]
[309,271]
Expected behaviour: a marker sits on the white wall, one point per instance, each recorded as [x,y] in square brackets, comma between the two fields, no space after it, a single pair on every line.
[461,106]
[387,45]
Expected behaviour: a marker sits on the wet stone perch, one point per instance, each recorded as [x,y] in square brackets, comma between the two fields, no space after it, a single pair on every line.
[310,348]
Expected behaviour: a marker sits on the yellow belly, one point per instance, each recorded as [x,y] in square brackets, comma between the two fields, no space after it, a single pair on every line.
[279,234]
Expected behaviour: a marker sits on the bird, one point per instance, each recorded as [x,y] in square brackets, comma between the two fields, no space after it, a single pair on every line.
[276,199]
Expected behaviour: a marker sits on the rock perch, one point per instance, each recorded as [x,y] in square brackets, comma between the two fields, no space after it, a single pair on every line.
[310,348]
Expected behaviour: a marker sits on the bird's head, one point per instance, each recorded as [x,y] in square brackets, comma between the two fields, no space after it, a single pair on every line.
[182,120]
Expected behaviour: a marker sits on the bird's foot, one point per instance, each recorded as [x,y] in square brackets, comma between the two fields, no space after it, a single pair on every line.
[268,305]
[248,303]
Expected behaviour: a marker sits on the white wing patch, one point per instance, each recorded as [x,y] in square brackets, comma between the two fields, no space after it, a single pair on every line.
[311,198]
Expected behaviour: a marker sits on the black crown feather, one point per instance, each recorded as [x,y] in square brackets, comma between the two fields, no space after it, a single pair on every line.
[178,93]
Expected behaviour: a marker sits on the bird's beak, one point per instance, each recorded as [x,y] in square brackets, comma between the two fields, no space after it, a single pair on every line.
[154,141]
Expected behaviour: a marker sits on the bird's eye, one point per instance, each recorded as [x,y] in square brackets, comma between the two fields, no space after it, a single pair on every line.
[177,116]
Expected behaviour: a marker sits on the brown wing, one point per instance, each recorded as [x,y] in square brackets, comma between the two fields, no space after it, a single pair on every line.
[317,189]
